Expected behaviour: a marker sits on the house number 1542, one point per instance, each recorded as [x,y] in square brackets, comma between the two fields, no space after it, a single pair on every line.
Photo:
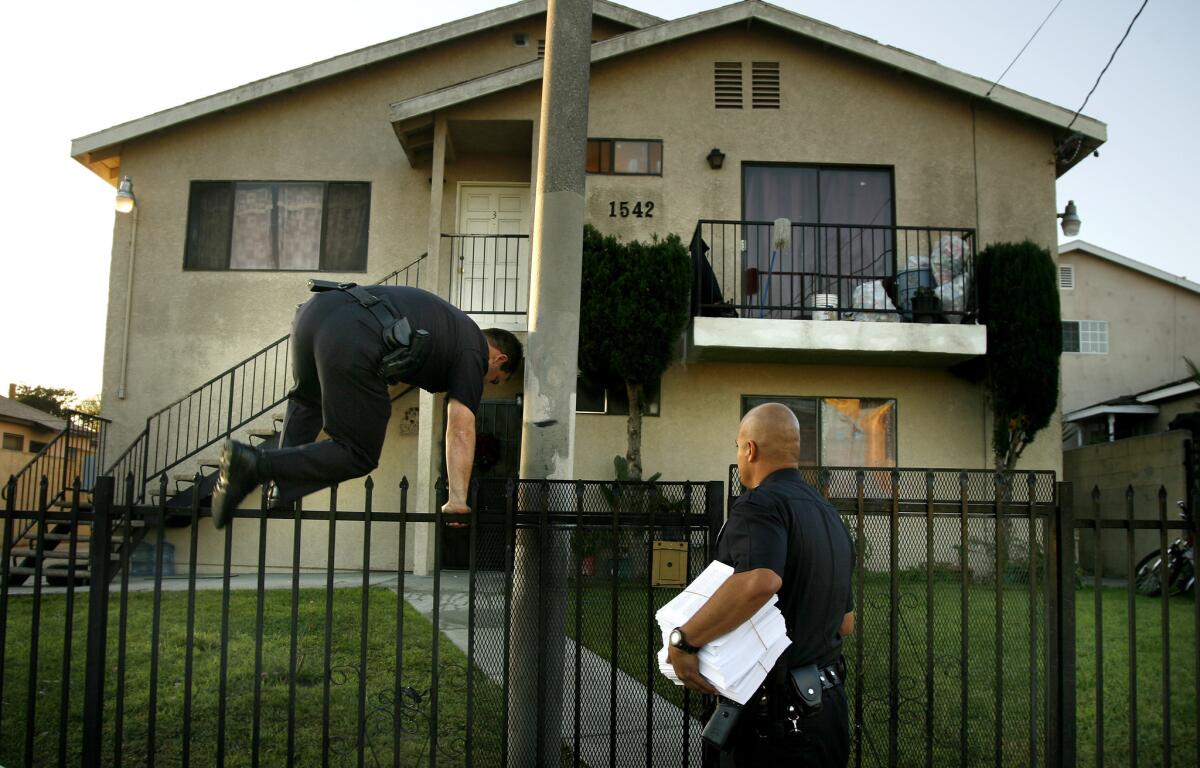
[640,209]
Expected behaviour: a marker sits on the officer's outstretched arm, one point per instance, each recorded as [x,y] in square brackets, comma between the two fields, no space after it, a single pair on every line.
[460,455]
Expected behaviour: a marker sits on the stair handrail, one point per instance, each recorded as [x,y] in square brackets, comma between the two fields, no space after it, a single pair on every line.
[158,448]
[55,460]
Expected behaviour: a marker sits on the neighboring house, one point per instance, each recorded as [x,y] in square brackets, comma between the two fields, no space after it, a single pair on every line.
[892,170]
[26,430]
[1127,327]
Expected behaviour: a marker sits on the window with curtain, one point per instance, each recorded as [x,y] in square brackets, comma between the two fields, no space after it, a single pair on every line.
[271,225]
[840,431]
[626,157]
[847,211]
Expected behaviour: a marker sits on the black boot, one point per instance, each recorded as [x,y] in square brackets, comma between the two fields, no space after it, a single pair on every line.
[240,474]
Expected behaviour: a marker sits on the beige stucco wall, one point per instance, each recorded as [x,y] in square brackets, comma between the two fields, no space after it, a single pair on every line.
[836,109]
[12,461]
[1152,326]
[1146,464]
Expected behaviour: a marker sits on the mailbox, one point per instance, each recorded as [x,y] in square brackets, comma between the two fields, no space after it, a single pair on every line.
[670,564]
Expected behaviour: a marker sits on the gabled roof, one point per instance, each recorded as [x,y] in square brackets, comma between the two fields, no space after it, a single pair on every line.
[20,413]
[1128,263]
[93,149]
[1085,135]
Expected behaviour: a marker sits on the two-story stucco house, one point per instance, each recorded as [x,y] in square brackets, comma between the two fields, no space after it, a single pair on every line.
[821,178]
[1127,329]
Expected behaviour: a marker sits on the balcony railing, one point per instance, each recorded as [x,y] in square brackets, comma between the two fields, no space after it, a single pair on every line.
[491,273]
[785,270]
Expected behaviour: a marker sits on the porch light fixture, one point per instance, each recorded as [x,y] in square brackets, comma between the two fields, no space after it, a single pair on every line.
[716,159]
[1070,220]
[125,198]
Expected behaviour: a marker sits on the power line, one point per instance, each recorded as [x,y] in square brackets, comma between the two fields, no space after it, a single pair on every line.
[1110,61]
[1027,42]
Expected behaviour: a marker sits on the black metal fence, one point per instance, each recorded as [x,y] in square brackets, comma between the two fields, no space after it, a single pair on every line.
[73,456]
[1131,645]
[983,639]
[980,640]
[830,272]
[491,273]
[353,663]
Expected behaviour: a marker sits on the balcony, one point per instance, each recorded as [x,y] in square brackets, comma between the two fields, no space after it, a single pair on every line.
[864,295]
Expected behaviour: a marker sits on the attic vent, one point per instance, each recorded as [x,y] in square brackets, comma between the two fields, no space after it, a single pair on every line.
[727,84]
[764,84]
[1066,277]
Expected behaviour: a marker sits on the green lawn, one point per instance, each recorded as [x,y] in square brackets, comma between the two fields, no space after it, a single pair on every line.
[1182,685]
[310,678]
[984,645]
[632,652]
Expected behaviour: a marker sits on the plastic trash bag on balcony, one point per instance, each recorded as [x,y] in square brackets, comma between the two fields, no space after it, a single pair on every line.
[869,303]
[917,261]
[954,296]
[948,259]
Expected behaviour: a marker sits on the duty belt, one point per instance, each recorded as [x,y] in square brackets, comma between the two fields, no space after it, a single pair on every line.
[405,349]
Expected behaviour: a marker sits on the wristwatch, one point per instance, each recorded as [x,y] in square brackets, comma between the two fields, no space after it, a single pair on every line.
[677,640]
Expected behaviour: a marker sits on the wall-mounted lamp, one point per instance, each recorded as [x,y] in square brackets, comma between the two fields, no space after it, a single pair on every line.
[125,198]
[1070,220]
[716,159]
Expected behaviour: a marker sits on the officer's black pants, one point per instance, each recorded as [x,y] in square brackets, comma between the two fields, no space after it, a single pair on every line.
[336,348]
[823,739]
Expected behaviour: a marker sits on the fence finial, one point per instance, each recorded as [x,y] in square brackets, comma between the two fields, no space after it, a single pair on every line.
[369,484]
[404,483]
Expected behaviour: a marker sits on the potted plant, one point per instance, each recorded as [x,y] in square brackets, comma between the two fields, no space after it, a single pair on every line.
[926,306]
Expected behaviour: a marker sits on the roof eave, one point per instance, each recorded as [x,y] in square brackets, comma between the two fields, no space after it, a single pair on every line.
[107,141]
[1092,133]
[1124,261]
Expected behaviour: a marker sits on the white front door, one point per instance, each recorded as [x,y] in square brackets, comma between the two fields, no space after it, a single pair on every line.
[491,255]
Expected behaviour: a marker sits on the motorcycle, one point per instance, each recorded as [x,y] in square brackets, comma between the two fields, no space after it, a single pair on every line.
[1179,562]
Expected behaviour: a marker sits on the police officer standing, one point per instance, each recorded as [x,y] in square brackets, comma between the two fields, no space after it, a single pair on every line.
[781,538]
[348,343]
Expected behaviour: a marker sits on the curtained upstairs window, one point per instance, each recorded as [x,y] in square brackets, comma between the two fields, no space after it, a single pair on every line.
[284,226]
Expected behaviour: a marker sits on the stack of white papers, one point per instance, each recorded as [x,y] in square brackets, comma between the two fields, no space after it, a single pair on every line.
[735,663]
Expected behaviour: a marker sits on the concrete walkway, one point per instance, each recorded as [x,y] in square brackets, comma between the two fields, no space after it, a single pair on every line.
[595,673]
[595,680]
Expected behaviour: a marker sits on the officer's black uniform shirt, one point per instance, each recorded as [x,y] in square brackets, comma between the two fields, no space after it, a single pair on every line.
[785,525]
[458,359]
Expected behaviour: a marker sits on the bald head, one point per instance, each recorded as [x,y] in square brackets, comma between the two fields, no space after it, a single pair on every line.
[768,439]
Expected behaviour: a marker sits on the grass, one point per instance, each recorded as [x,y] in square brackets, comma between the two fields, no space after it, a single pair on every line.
[1116,710]
[984,677]
[310,682]
[633,649]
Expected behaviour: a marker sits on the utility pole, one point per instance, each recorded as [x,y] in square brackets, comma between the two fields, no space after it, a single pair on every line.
[548,431]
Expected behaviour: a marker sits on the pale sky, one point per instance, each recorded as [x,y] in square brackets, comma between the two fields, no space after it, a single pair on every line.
[73,68]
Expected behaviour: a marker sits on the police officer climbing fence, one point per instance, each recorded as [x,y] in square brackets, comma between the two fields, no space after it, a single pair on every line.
[348,344]
[781,537]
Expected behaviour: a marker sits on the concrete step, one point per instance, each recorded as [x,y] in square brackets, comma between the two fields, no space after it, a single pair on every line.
[55,554]
[61,572]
